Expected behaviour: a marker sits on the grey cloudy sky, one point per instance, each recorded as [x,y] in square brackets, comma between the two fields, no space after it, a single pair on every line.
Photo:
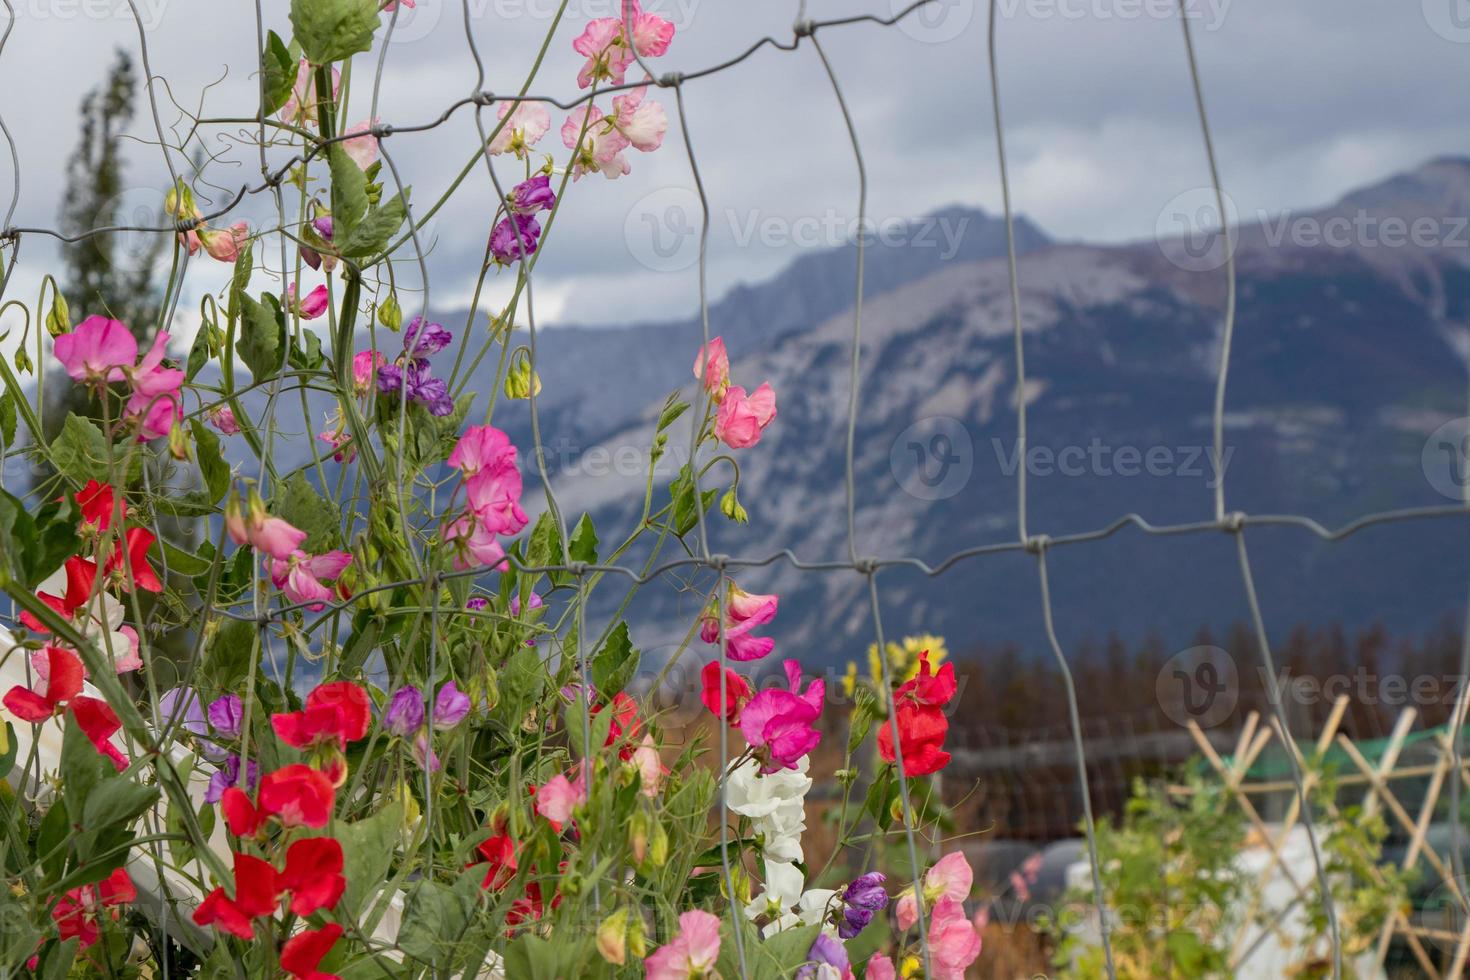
[1308,98]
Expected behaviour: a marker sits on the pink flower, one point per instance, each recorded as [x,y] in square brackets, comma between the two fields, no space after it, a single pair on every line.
[365,366]
[224,245]
[300,108]
[642,124]
[361,146]
[223,419]
[650,766]
[300,576]
[529,121]
[691,953]
[312,306]
[780,722]
[154,404]
[880,967]
[272,535]
[559,796]
[475,544]
[97,350]
[335,435]
[742,418]
[953,942]
[608,56]
[950,877]
[743,612]
[481,447]
[712,366]
[602,146]
[651,33]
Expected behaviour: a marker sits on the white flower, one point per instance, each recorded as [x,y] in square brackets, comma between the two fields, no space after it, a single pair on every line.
[775,805]
[785,903]
[103,624]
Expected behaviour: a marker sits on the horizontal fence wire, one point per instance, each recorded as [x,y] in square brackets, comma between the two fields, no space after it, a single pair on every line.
[1235,523]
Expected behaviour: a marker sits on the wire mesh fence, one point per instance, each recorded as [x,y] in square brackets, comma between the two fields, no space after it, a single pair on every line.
[1090,762]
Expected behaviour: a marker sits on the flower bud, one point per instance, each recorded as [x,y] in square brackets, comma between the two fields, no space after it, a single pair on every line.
[58,320]
[520,381]
[612,937]
[389,313]
[178,443]
[730,507]
[23,361]
[235,520]
[638,836]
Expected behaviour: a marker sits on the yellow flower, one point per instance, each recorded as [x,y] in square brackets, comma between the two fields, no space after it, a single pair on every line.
[849,680]
[903,658]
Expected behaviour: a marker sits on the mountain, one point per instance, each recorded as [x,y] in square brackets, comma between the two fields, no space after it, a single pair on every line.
[1348,355]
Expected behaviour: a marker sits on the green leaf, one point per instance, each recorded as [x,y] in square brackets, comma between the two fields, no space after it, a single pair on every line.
[433,920]
[532,957]
[614,665]
[116,802]
[82,768]
[681,492]
[308,354]
[371,235]
[80,451]
[239,280]
[183,562]
[191,504]
[298,502]
[333,30]
[7,418]
[198,352]
[672,410]
[212,465]
[349,192]
[280,74]
[583,545]
[367,854]
[544,547]
[262,335]
[56,964]
[19,939]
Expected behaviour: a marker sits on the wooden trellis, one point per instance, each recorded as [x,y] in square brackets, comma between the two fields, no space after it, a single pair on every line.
[1440,952]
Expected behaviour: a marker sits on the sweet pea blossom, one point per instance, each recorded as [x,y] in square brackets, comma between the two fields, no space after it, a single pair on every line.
[474,542]
[826,960]
[405,714]
[77,913]
[514,238]
[775,804]
[528,122]
[596,143]
[309,307]
[784,903]
[300,108]
[365,366]
[951,877]
[412,376]
[712,367]
[744,611]
[273,536]
[68,591]
[737,692]
[559,796]
[605,43]
[953,942]
[224,244]
[863,898]
[228,775]
[97,350]
[742,418]
[779,723]
[691,953]
[335,713]
[531,195]
[300,576]
[223,418]
[451,706]
[919,715]
[361,146]
[642,123]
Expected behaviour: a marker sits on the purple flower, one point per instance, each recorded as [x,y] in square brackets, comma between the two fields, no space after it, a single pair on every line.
[530,196]
[504,244]
[323,226]
[450,706]
[429,391]
[477,603]
[405,714]
[864,898]
[180,706]
[390,379]
[423,752]
[226,714]
[825,951]
[421,339]
[229,775]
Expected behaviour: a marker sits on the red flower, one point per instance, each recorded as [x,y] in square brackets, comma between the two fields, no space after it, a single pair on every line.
[737,692]
[500,852]
[133,557]
[335,713]
[922,725]
[299,795]
[76,912]
[96,501]
[63,682]
[625,722]
[257,893]
[313,874]
[240,814]
[80,574]
[99,723]
[304,951]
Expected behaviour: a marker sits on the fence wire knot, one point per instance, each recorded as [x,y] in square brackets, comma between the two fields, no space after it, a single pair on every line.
[483,99]
[804,28]
[1037,544]
[671,79]
[1233,522]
